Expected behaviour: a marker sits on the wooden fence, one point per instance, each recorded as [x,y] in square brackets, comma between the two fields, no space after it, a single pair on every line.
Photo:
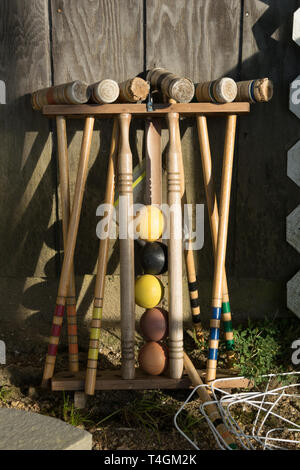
[50,42]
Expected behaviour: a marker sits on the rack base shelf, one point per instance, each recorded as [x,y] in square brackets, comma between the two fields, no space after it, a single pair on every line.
[112,380]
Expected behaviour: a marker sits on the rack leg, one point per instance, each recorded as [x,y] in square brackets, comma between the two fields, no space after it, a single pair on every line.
[175,252]
[126,250]
[189,255]
[80,400]
[91,371]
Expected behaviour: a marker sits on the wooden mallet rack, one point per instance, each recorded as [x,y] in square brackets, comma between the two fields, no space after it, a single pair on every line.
[113,379]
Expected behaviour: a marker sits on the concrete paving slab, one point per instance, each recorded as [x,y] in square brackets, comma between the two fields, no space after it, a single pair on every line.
[25,430]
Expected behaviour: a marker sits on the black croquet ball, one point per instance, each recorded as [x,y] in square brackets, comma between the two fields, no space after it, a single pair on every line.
[154,258]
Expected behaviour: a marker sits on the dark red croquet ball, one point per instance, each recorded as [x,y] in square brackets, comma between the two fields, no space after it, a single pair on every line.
[154,324]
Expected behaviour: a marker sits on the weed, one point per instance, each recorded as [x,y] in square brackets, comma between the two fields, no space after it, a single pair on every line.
[4,393]
[265,347]
[108,417]
[154,413]
[203,343]
[72,415]
[262,347]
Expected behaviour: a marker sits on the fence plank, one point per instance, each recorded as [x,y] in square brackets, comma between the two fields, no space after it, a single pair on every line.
[27,176]
[198,39]
[98,39]
[92,41]
[265,194]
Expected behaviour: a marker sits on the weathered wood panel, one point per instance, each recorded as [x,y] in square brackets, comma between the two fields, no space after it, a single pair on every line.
[92,41]
[109,38]
[265,193]
[293,172]
[293,294]
[198,39]
[97,39]
[27,176]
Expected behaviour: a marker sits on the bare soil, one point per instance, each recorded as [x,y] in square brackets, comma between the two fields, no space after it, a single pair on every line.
[118,420]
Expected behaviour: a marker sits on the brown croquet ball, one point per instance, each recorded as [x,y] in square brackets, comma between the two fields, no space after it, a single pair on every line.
[154,324]
[153,358]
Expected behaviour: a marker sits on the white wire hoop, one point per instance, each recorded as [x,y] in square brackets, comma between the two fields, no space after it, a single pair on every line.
[258,438]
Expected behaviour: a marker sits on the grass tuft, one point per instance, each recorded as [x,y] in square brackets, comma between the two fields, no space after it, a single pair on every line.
[72,415]
[265,347]
[4,393]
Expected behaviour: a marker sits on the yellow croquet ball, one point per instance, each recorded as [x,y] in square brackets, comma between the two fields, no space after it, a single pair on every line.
[150,223]
[148,291]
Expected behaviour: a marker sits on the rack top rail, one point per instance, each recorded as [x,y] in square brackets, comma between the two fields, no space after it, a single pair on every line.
[160,109]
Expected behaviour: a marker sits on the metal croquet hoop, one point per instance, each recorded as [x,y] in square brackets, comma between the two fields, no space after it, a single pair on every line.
[257,439]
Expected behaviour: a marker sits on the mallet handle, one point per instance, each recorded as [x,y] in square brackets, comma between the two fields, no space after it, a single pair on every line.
[69,250]
[66,209]
[212,207]
[188,254]
[91,372]
[221,247]
[211,409]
